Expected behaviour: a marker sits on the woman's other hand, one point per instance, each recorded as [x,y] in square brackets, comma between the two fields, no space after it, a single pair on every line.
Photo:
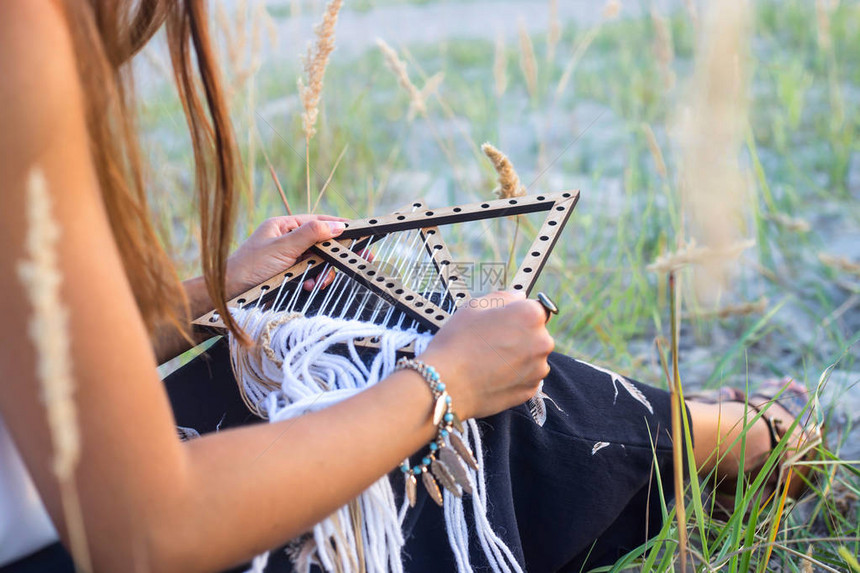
[492,354]
[277,244]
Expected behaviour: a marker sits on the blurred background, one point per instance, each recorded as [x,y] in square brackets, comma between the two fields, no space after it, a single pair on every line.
[717,140]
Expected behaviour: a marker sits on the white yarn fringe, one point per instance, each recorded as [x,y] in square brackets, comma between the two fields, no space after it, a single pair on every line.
[300,372]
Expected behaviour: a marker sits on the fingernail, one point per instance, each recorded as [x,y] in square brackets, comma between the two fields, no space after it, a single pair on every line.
[336,227]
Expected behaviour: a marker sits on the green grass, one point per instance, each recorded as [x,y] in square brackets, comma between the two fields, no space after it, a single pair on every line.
[801,138]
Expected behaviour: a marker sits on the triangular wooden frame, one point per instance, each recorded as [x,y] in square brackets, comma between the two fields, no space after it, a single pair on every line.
[366,231]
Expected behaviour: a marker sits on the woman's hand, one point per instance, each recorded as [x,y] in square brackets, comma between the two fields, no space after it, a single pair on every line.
[277,244]
[492,354]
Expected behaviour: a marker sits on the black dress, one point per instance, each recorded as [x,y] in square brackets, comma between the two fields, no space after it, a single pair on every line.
[577,493]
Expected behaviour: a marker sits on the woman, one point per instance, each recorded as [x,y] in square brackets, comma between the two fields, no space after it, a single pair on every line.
[148,500]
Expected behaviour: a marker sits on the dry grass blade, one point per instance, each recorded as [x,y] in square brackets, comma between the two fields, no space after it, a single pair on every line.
[509,181]
[742,309]
[677,428]
[610,11]
[553,34]
[500,65]
[528,62]
[330,176]
[822,17]
[49,331]
[276,181]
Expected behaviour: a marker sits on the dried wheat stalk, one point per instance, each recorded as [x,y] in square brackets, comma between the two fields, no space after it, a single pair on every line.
[692,254]
[664,48]
[553,34]
[509,181]
[822,17]
[417,97]
[841,263]
[791,223]
[500,65]
[655,150]
[742,309]
[315,63]
[528,62]
[710,131]
[49,331]
[611,10]
[310,91]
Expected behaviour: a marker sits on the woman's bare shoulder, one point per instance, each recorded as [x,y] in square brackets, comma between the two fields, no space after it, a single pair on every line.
[40,88]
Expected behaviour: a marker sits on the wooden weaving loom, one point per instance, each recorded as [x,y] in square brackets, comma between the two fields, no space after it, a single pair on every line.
[410,281]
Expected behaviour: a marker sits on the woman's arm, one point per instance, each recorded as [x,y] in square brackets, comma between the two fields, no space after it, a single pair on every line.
[148,500]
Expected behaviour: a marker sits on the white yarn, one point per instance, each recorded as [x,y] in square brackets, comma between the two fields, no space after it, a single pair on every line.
[299,371]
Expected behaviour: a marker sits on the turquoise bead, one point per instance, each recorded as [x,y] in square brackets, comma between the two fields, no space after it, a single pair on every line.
[433,446]
[449,417]
[443,433]
[425,461]
[447,399]
[404,468]
[440,386]
[416,470]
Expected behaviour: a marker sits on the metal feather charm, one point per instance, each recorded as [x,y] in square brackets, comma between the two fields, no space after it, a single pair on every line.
[458,424]
[456,467]
[411,489]
[463,450]
[440,409]
[431,487]
[443,476]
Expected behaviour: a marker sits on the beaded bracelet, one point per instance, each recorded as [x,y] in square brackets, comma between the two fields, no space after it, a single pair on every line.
[449,454]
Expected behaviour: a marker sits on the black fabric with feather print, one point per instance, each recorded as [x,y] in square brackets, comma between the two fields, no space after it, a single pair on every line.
[577,493]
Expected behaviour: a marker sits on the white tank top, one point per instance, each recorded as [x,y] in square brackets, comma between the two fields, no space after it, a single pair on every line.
[24,524]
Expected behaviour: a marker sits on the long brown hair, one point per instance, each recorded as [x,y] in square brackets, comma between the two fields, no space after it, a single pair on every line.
[106,34]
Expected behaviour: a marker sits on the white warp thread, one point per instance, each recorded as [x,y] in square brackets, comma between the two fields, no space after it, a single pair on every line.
[300,373]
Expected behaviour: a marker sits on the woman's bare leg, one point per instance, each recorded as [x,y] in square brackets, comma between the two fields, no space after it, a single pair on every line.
[717,427]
